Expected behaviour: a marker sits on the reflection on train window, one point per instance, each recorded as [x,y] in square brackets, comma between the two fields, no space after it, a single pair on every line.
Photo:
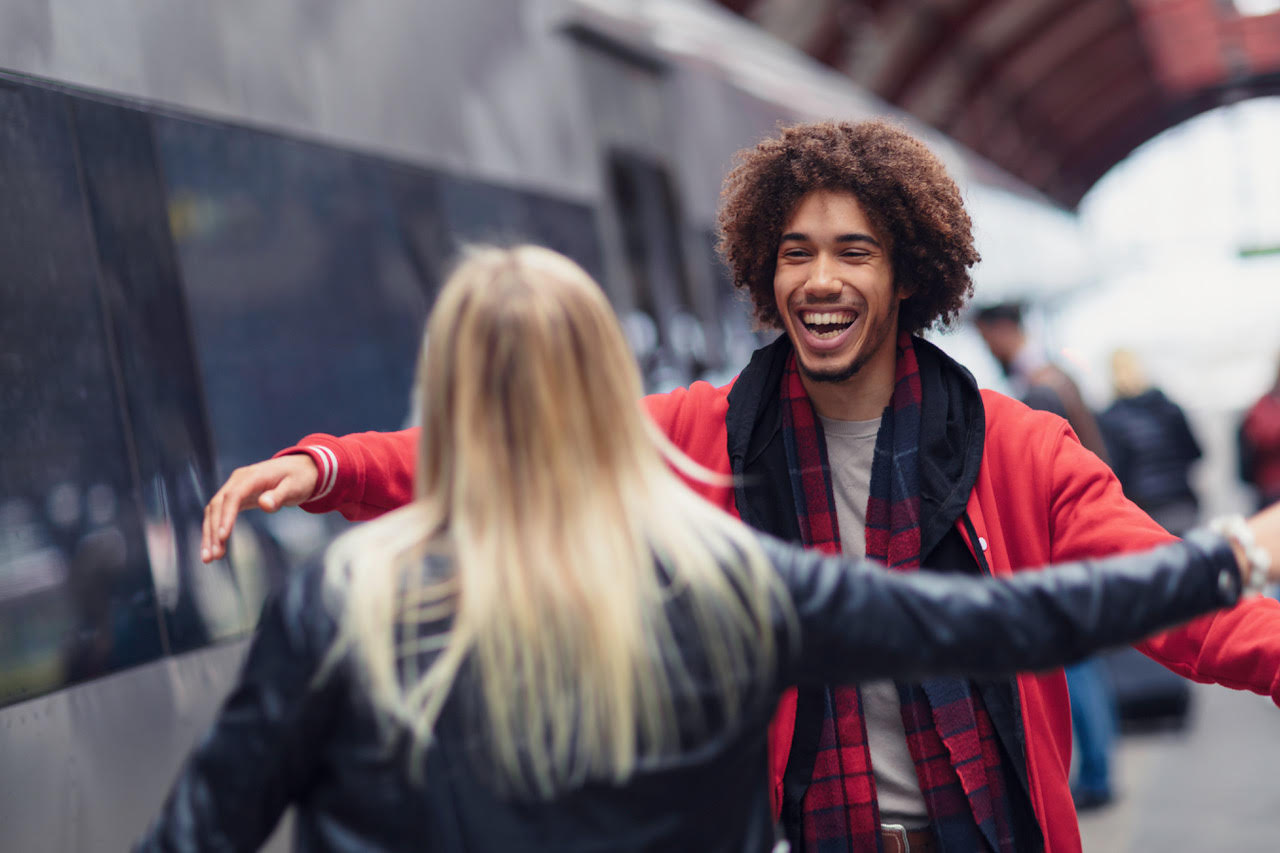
[306,304]
[650,219]
[571,229]
[733,310]
[304,307]
[146,310]
[424,235]
[76,600]
[475,211]
[170,287]
[479,212]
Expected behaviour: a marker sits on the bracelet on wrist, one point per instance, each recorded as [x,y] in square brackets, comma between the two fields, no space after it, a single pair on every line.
[1257,561]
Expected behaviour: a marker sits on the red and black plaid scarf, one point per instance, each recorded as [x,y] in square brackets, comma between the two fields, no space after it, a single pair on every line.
[949,732]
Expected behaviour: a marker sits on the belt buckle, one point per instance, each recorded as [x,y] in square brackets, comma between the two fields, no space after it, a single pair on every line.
[899,831]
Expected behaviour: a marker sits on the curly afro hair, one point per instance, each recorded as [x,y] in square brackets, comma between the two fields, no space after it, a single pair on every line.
[902,186]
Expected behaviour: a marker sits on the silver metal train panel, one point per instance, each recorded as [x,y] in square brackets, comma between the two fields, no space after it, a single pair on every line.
[86,769]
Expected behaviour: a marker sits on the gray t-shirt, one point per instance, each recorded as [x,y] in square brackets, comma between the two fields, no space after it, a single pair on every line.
[850,449]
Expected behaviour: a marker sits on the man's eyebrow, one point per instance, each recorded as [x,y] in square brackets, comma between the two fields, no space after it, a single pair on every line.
[855,237]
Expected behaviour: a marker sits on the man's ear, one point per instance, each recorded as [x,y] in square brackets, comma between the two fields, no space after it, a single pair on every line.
[904,291]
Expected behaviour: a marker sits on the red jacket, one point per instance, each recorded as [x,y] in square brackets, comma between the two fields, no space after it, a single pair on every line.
[1039,497]
[1260,435]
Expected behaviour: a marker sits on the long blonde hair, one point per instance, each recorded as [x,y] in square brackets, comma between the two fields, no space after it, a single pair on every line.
[568,538]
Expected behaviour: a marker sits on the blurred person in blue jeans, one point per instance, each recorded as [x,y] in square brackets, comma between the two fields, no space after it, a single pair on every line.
[1040,383]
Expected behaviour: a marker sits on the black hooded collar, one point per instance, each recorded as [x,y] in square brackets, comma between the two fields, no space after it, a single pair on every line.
[952,427]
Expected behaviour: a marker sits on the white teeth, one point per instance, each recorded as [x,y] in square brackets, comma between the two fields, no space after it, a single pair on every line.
[827,318]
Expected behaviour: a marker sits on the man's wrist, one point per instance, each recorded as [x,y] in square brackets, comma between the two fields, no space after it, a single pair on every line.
[325,461]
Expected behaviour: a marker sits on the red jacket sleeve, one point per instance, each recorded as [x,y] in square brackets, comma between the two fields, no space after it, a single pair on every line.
[1262,423]
[365,474]
[361,475]
[1238,647]
[693,419]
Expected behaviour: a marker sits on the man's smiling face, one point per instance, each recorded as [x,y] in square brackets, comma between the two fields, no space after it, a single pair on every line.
[834,287]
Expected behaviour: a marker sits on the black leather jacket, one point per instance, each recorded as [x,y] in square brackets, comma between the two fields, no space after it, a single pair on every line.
[281,741]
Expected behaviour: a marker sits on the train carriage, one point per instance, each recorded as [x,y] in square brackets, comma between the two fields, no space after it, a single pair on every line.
[221,227]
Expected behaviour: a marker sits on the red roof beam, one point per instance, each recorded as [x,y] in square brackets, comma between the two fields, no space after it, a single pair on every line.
[1114,58]
[989,73]
[949,31]
[1184,38]
[1260,40]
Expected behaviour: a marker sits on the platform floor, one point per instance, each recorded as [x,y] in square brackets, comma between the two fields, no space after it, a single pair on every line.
[1212,787]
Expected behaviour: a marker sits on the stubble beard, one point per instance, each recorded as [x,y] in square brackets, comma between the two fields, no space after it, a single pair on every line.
[850,370]
[834,376]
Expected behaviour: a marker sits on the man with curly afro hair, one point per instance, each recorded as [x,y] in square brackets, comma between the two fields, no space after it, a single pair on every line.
[904,191]
[850,432]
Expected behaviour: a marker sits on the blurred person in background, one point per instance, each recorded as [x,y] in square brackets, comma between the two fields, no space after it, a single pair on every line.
[1151,445]
[1043,385]
[852,433]
[1035,379]
[1259,445]
[559,645]
[1152,451]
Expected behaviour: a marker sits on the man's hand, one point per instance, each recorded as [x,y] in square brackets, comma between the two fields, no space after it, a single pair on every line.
[269,485]
[1266,531]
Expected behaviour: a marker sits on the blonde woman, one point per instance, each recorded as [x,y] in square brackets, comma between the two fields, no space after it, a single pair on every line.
[559,646]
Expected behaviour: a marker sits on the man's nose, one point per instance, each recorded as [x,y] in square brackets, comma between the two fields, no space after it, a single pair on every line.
[823,281]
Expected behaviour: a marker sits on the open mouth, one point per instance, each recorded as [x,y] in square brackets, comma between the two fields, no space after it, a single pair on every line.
[825,325]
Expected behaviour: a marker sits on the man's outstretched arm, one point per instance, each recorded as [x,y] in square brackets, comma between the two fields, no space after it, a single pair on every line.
[361,476]
[1238,648]
[365,474]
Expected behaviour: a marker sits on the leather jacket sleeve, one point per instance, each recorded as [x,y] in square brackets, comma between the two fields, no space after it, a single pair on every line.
[261,751]
[857,621]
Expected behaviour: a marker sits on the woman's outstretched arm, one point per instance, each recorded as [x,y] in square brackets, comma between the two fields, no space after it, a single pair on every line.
[858,621]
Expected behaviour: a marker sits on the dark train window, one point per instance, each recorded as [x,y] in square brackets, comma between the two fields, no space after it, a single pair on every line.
[305,310]
[148,317]
[420,223]
[479,212]
[182,298]
[571,229]
[476,211]
[76,597]
[306,307]
[439,213]
[649,216]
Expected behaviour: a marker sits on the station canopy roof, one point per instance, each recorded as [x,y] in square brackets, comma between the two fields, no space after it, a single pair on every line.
[1054,91]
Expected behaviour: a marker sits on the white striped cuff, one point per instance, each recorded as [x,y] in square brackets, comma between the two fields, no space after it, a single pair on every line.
[328,470]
